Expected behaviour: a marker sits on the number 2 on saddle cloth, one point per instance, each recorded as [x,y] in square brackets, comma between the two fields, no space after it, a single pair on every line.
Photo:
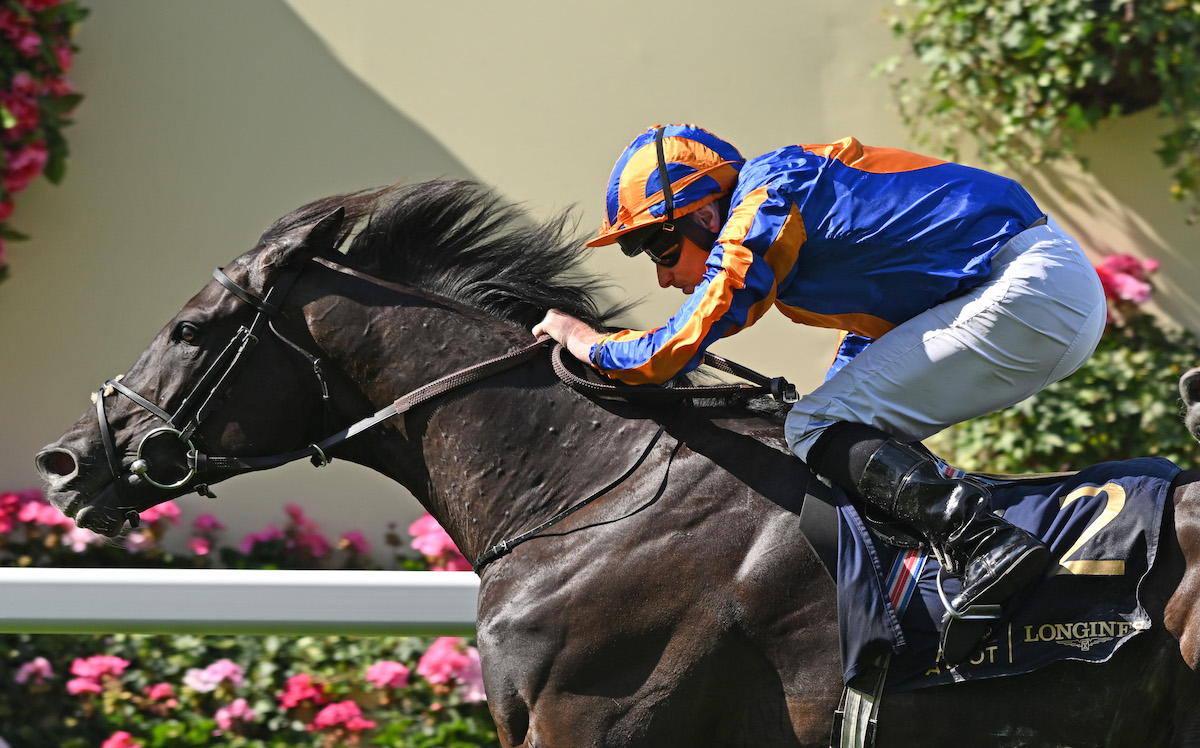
[1101,526]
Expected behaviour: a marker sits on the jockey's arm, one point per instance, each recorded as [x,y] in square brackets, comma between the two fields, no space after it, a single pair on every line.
[574,334]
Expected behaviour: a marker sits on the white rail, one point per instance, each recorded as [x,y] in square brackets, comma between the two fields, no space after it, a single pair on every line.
[237,601]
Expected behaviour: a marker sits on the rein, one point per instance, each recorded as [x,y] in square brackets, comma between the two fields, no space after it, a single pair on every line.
[212,386]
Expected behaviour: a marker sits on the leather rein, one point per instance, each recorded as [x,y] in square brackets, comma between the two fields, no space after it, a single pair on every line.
[211,388]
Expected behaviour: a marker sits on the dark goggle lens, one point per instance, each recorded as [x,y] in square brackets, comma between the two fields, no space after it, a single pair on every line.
[662,244]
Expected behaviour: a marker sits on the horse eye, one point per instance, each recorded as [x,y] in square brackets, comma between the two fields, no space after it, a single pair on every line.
[187,332]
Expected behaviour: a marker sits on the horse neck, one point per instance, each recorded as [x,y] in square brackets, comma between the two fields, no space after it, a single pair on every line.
[490,460]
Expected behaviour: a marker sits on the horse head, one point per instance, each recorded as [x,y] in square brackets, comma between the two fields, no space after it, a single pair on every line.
[142,443]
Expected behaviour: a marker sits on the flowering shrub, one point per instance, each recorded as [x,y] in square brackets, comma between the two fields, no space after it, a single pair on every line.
[35,97]
[439,550]
[137,691]
[1123,403]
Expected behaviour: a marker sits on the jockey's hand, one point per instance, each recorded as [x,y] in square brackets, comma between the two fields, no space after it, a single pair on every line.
[574,334]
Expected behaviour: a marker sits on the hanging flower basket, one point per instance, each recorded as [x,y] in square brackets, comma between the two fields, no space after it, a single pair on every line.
[35,97]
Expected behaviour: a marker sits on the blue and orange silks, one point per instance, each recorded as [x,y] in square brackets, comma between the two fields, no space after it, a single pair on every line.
[845,236]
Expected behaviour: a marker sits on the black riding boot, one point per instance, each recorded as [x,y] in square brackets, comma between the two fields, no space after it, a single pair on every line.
[993,558]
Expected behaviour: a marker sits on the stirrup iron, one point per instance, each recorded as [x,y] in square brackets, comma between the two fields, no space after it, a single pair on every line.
[969,613]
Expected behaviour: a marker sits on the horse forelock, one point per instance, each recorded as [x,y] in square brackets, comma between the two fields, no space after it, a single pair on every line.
[459,240]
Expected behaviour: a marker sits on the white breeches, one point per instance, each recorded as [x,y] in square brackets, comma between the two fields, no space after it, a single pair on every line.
[1036,319]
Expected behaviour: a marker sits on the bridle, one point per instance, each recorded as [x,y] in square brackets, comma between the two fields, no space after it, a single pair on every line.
[203,398]
[213,386]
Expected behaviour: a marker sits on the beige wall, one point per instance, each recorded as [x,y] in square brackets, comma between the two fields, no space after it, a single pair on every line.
[205,120]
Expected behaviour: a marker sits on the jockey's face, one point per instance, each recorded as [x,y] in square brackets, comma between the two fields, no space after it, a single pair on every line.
[688,272]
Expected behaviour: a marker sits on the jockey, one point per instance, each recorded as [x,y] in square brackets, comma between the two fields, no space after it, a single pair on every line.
[956,294]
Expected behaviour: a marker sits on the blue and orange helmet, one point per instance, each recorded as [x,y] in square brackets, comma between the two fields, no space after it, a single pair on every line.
[699,168]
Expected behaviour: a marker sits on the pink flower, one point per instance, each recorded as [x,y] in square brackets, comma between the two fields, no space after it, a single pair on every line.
[207,523]
[300,688]
[37,510]
[167,510]
[266,536]
[296,514]
[97,666]
[38,670]
[388,674]
[238,711]
[344,714]
[39,5]
[212,676]
[1126,278]
[10,504]
[450,660]
[93,671]
[159,691]
[1132,289]
[6,209]
[314,543]
[199,546]
[24,84]
[79,538]
[355,542]
[29,43]
[120,739]
[63,54]
[306,535]
[24,166]
[138,541]
[21,102]
[435,544]
[76,686]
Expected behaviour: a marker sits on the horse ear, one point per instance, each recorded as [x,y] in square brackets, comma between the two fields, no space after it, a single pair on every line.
[304,243]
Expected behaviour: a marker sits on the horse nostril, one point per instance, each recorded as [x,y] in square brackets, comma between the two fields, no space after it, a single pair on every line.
[56,465]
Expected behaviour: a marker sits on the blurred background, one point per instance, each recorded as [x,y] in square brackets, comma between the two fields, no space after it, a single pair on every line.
[204,120]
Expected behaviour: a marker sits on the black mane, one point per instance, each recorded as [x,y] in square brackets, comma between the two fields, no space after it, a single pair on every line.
[459,240]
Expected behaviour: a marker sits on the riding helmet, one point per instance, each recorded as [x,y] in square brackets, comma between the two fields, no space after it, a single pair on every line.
[700,166]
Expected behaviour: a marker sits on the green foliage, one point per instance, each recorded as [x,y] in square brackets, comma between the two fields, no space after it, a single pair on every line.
[1123,403]
[1025,77]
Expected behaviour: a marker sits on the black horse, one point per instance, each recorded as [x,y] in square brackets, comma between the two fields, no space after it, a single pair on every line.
[680,607]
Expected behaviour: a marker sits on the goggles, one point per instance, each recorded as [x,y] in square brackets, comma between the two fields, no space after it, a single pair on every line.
[660,241]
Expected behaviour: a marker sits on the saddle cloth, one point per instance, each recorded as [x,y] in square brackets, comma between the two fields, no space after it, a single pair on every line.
[1102,527]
